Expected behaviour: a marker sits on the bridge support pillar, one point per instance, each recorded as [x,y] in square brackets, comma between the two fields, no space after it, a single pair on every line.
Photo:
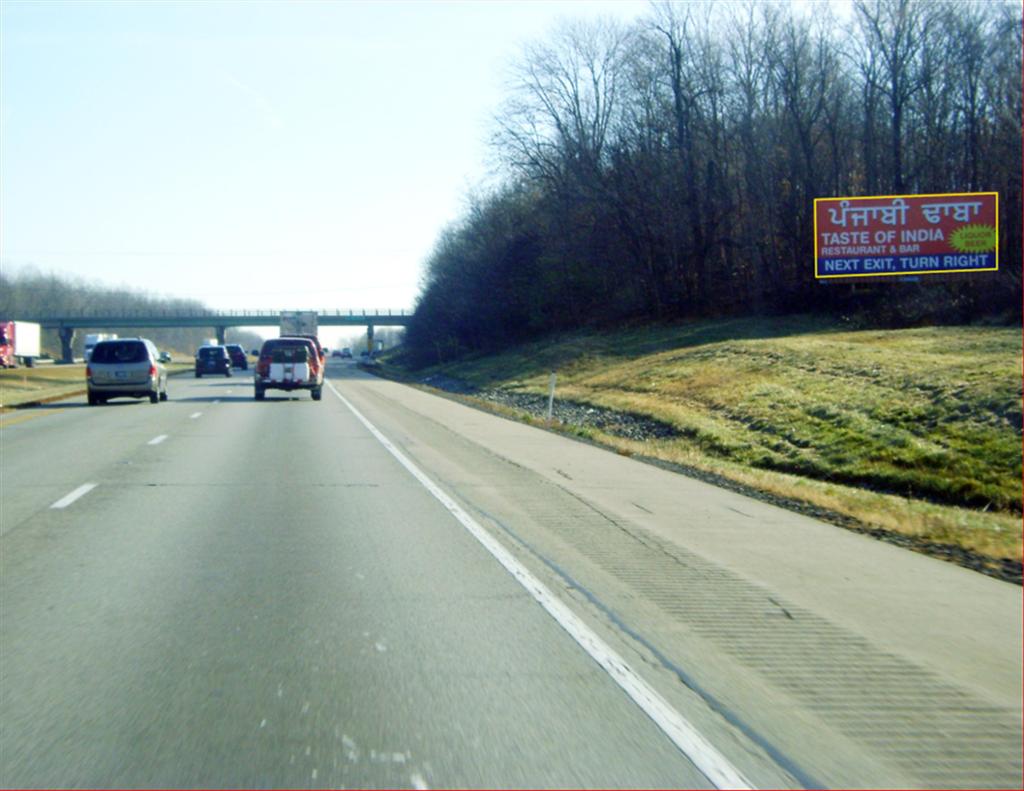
[67,337]
[220,334]
[369,338]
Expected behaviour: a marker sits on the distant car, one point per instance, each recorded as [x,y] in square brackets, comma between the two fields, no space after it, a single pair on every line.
[290,363]
[165,357]
[346,353]
[212,360]
[125,368]
[237,355]
[337,354]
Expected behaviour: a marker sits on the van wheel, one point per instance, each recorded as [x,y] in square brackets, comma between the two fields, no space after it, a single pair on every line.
[93,400]
[154,397]
[198,375]
[163,396]
[316,392]
[259,393]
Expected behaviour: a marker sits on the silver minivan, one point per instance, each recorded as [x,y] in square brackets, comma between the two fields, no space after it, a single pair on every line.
[126,368]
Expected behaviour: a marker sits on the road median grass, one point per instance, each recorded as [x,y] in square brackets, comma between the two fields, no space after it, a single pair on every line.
[21,387]
[912,432]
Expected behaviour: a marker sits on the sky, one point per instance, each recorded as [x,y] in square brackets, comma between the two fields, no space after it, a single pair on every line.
[252,155]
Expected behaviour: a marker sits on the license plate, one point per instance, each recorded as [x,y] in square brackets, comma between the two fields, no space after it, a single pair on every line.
[120,374]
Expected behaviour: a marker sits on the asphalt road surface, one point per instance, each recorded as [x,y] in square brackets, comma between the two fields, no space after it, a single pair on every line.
[387,588]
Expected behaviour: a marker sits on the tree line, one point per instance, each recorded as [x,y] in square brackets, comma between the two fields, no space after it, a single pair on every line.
[667,169]
[31,293]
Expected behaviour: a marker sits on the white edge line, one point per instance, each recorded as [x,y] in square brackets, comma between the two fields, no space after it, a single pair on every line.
[157,440]
[418,782]
[711,763]
[194,415]
[69,498]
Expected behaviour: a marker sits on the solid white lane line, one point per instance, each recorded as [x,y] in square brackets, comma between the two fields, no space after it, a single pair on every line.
[69,498]
[157,440]
[708,760]
[194,415]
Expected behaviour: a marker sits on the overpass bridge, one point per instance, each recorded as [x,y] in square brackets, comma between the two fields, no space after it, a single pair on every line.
[218,321]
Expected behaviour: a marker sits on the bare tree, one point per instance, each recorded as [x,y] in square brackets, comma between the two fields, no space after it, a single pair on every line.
[668,169]
[563,97]
[896,31]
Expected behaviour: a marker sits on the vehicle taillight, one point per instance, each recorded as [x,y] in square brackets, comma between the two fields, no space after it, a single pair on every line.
[152,370]
[88,372]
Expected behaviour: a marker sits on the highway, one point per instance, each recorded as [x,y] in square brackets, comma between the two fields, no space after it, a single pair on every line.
[391,589]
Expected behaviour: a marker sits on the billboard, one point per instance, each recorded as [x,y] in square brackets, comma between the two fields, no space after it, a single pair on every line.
[906,234]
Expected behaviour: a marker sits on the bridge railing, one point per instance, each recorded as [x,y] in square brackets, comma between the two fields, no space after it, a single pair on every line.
[214,314]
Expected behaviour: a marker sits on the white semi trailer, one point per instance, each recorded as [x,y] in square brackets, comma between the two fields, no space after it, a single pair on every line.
[298,323]
[19,342]
[92,339]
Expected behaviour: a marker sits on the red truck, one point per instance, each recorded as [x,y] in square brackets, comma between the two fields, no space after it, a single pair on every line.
[289,364]
[19,340]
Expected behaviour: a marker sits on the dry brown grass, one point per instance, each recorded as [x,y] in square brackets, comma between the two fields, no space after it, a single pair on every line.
[19,386]
[916,432]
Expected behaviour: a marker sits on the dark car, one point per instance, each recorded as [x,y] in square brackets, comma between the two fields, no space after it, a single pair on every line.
[237,355]
[125,368]
[212,360]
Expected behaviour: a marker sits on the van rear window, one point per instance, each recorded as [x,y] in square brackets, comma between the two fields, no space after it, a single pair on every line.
[119,352]
[285,343]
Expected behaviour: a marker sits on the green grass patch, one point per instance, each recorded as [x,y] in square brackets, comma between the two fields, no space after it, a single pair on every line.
[916,431]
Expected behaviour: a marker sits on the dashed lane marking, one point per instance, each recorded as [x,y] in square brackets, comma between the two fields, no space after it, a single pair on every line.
[69,498]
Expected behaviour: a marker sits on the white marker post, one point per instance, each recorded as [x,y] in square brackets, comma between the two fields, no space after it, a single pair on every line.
[551,395]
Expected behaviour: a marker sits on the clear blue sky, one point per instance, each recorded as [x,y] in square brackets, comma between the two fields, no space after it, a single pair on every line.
[251,154]
[271,155]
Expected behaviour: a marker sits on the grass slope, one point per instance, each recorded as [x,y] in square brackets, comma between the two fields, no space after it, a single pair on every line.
[915,431]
